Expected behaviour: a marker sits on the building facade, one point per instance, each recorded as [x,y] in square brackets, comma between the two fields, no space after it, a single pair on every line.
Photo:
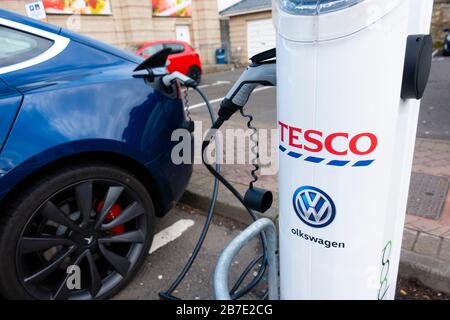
[131,23]
[252,31]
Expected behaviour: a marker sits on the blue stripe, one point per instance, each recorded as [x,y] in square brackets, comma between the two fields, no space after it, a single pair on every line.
[314,159]
[364,163]
[294,154]
[338,163]
[334,163]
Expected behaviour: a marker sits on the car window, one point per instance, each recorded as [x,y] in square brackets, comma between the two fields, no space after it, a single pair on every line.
[176,47]
[152,50]
[17,46]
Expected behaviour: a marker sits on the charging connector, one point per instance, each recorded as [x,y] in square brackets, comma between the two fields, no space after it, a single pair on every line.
[177,76]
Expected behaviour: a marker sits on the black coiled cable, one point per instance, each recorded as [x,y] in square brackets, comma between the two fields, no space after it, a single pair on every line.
[234,293]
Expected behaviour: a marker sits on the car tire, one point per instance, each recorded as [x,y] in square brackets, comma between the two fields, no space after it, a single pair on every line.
[38,211]
[195,73]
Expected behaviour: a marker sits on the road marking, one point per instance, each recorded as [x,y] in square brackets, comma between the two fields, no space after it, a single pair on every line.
[215,84]
[170,234]
[199,105]
[435,52]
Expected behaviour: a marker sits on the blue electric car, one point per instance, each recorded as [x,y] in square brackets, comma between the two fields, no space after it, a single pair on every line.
[85,163]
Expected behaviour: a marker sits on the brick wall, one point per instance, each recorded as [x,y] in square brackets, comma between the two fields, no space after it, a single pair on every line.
[206,28]
[132,23]
[441,20]
[238,26]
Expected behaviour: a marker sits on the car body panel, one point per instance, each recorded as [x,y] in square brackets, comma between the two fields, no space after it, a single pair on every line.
[101,46]
[87,100]
[10,101]
[180,62]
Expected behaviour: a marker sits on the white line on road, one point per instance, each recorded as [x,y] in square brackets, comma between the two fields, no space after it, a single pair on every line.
[215,84]
[170,234]
[195,106]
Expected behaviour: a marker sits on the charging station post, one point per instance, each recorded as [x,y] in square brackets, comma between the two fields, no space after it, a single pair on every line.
[350,77]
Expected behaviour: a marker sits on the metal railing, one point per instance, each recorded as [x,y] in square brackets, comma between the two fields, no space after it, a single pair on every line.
[265,225]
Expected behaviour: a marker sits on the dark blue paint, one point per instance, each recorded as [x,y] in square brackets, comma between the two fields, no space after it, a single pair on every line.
[364,163]
[86,100]
[333,163]
[338,163]
[314,159]
[10,100]
[294,155]
[101,46]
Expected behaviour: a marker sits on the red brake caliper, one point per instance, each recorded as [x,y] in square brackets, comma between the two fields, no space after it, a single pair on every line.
[115,212]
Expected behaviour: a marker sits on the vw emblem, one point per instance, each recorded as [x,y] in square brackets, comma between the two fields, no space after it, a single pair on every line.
[314,207]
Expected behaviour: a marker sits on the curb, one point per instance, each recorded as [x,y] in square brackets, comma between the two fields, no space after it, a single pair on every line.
[213,68]
[432,271]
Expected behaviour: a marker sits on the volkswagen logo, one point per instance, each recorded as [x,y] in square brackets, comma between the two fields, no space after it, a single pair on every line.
[314,207]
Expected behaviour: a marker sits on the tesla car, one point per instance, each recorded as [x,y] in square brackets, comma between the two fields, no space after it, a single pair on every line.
[183,58]
[85,162]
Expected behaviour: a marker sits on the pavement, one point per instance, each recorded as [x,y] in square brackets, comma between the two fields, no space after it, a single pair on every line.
[426,244]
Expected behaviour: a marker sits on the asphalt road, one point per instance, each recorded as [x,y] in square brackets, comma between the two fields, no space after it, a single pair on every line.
[163,265]
[434,116]
[435,112]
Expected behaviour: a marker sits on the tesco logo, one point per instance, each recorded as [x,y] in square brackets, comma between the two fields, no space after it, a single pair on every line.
[337,144]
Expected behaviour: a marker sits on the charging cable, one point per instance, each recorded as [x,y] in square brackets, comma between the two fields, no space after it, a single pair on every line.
[255,199]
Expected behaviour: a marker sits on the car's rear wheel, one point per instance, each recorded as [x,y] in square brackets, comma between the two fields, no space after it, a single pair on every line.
[195,73]
[81,232]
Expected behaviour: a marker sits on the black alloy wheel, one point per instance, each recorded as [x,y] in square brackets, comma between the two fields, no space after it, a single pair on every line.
[97,227]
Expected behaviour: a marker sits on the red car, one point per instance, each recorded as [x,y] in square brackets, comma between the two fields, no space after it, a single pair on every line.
[183,59]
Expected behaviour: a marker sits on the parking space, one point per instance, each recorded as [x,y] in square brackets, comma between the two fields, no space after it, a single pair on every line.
[177,235]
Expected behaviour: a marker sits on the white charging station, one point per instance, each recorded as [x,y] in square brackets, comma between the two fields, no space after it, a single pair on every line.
[346,143]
